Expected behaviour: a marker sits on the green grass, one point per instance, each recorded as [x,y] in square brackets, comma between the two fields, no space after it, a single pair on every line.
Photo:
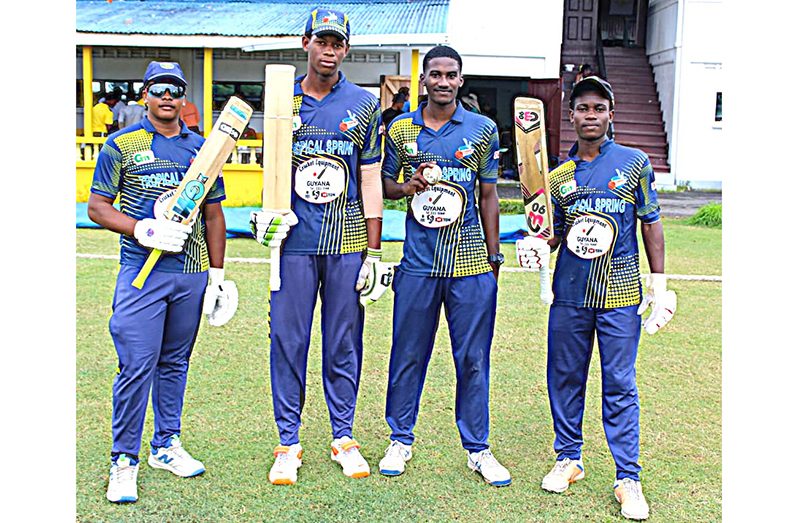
[228,416]
[710,215]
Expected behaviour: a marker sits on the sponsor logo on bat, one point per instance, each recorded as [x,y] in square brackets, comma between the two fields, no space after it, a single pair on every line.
[229,129]
[238,112]
[527,121]
[189,197]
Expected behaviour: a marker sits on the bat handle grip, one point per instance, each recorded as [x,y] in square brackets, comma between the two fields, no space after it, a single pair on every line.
[274,273]
[154,256]
[545,285]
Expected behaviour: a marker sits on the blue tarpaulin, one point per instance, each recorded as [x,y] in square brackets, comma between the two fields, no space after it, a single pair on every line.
[511,227]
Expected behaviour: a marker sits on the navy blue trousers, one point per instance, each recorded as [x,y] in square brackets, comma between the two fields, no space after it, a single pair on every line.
[304,277]
[570,344]
[153,330]
[470,305]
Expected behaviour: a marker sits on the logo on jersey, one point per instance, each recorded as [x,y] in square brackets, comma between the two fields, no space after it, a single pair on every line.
[590,237]
[296,123]
[143,157]
[617,181]
[568,188]
[437,206]
[319,180]
[411,148]
[653,186]
[465,150]
[350,122]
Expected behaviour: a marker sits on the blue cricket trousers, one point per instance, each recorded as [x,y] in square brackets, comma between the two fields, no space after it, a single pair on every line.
[570,344]
[153,330]
[470,305]
[304,277]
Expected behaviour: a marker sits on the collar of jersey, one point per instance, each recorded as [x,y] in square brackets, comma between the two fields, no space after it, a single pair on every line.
[602,149]
[145,122]
[298,83]
[457,117]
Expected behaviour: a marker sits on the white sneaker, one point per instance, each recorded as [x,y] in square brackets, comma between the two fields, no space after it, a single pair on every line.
[175,459]
[629,493]
[486,464]
[396,455]
[287,460]
[346,452]
[564,472]
[122,481]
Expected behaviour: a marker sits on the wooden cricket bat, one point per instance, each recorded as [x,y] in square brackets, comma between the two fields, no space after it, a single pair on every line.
[184,206]
[278,116]
[533,172]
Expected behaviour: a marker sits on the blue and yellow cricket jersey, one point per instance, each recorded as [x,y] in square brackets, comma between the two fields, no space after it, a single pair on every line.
[331,138]
[139,164]
[596,208]
[443,234]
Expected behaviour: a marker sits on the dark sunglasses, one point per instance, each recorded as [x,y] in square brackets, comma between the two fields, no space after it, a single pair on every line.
[158,90]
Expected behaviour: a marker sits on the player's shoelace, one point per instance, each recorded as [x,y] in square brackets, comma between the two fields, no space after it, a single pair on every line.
[632,488]
[488,460]
[560,466]
[395,450]
[124,473]
[280,459]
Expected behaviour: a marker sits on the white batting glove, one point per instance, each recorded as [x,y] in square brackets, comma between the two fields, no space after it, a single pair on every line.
[271,228]
[366,274]
[378,281]
[221,298]
[161,234]
[532,252]
[662,300]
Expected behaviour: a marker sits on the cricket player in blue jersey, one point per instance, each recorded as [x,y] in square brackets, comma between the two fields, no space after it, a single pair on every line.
[154,328]
[451,258]
[333,250]
[599,195]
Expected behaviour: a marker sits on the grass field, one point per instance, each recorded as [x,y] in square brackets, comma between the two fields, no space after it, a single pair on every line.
[228,420]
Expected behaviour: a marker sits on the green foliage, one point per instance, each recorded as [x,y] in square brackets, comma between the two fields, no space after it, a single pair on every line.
[709,215]
[228,424]
[395,205]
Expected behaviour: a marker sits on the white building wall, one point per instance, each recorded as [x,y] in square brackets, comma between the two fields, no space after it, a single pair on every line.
[507,37]
[683,45]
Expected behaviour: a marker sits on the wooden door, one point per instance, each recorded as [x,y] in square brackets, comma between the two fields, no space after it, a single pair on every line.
[389,86]
[579,27]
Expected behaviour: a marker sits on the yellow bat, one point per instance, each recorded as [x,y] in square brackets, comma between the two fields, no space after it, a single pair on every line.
[278,120]
[533,171]
[184,206]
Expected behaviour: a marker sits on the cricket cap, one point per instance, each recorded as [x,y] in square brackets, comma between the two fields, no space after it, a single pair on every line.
[592,83]
[159,71]
[327,21]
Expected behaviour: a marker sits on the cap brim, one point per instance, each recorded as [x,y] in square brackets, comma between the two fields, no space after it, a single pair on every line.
[326,31]
[167,76]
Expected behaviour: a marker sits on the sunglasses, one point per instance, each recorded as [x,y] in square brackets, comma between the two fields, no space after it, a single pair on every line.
[158,90]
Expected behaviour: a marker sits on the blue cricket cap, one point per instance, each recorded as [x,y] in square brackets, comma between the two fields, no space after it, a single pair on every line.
[159,71]
[327,21]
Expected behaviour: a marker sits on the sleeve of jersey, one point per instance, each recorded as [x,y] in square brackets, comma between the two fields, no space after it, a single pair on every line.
[107,172]
[558,215]
[391,165]
[489,163]
[372,142]
[646,195]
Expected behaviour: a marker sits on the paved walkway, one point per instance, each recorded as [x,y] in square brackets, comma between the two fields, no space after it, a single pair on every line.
[673,204]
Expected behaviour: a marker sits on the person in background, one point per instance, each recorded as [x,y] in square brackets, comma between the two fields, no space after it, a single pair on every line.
[102,116]
[191,116]
[394,110]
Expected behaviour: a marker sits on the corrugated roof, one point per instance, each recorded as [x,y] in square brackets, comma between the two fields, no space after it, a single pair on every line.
[255,17]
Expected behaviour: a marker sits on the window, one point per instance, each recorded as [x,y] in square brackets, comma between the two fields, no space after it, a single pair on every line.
[718,107]
[251,92]
[129,89]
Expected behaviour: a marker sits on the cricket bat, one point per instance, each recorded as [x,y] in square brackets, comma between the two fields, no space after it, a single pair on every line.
[278,120]
[184,206]
[533,172]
